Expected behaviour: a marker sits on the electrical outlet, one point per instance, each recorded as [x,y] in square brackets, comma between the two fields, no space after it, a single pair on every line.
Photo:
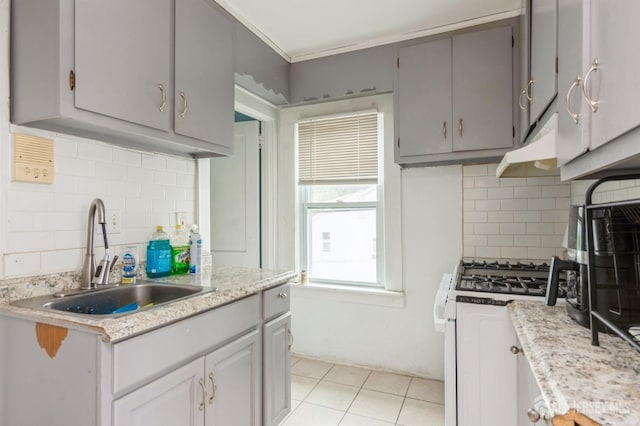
[181,218]
[114,219]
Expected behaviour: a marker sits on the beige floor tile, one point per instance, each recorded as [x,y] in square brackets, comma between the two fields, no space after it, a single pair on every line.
[353,420]
[377,405]
[311,368]
[421,413]
[332,395]
[301,387]
[313,415]
[346,375]
[426,390]
[388,382]
[294,359]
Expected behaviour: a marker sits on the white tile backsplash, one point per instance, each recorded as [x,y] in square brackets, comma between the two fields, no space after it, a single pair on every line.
[518,218]
[47,224]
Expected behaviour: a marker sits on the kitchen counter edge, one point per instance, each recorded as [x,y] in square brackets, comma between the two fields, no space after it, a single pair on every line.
[232,283]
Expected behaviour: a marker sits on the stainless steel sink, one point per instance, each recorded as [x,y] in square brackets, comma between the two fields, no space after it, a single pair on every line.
[106,301]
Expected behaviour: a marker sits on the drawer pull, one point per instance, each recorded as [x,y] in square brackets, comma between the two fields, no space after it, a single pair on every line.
[516,350]
[282,295]
[204,394]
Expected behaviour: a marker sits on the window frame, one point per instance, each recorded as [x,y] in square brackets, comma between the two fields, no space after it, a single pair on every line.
[306,206]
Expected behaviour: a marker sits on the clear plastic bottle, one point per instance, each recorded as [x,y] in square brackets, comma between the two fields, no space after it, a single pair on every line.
[129,265]
[159,254]
[179,251]
[195,243]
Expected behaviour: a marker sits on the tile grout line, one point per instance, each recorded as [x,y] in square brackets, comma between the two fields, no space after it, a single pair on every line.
[354,398]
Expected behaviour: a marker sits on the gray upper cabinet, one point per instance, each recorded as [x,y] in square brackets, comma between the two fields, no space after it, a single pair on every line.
[609,77]
[425,107]
[454,98]
[612,85]
[573,112]
[523,96]
[121,78]
[544,23]
[106,71]
[482,104]
[203,72]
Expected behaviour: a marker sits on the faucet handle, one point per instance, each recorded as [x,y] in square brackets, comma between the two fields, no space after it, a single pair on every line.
[101,276]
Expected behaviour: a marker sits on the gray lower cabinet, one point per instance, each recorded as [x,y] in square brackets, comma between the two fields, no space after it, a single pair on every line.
[277,341]
[530,400]
[208,369]
[454,98]
[221,388]
[153,75]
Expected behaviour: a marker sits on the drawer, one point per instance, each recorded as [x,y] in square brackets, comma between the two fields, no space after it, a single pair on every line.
[275,301]
[144,357]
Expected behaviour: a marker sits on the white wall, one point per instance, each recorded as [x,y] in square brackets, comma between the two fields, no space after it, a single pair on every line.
[43,227]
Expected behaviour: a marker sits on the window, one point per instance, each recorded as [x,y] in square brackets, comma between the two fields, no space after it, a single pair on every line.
[341,218]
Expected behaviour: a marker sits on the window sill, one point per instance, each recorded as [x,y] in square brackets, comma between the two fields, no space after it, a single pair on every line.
[349,294]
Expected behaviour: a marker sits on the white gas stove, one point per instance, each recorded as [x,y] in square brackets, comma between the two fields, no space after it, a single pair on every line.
[470,311]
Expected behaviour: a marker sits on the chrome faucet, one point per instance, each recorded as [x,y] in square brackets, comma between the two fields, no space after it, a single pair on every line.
[90,275]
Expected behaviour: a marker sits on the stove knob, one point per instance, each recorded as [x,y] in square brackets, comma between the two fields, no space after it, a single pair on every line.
[516,350]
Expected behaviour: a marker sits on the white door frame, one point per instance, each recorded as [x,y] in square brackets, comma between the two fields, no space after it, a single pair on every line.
[253,106]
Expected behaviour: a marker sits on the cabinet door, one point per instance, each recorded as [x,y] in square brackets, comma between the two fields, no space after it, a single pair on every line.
[233,380]
[482,90]
[615,84]
[544,23]
[122,59]
[424,99]
[174,399]
[573,112]
[277,370]
[486,368]
[525,49]
[204,80]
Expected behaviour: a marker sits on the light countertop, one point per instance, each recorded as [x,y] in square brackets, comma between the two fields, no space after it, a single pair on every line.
[222,285]
[602,382]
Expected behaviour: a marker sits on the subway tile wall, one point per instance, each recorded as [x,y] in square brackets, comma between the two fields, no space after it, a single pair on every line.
[513,218]
[606,192]
[46,226]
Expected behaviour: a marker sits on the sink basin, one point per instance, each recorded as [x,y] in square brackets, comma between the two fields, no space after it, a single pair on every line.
[125,299]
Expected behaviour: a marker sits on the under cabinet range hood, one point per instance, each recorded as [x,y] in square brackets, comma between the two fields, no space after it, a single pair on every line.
[537,158]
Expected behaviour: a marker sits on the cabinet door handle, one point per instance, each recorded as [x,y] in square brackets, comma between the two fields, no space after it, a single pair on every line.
[516,350]
[214,388]
[290,339]
[444,130]
[183,114]
[460,128]
[164,98]
[528,91]
[204,394]
[522,107]
[282,295]
[574,115]
[585,91]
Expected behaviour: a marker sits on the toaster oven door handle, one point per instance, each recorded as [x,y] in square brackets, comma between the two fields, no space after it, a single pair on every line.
[557,265]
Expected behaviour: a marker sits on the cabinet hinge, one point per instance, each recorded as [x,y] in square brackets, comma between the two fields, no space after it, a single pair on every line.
[513,41]
[398,142]
[398,62]
[72,80]
[513,131]
[556,65]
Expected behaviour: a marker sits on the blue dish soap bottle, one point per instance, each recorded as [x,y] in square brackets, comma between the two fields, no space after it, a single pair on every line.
[159,254]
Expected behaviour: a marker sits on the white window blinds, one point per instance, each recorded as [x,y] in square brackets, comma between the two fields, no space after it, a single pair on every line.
[338,150]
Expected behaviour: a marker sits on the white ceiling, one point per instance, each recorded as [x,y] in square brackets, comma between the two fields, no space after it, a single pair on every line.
[305,29]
